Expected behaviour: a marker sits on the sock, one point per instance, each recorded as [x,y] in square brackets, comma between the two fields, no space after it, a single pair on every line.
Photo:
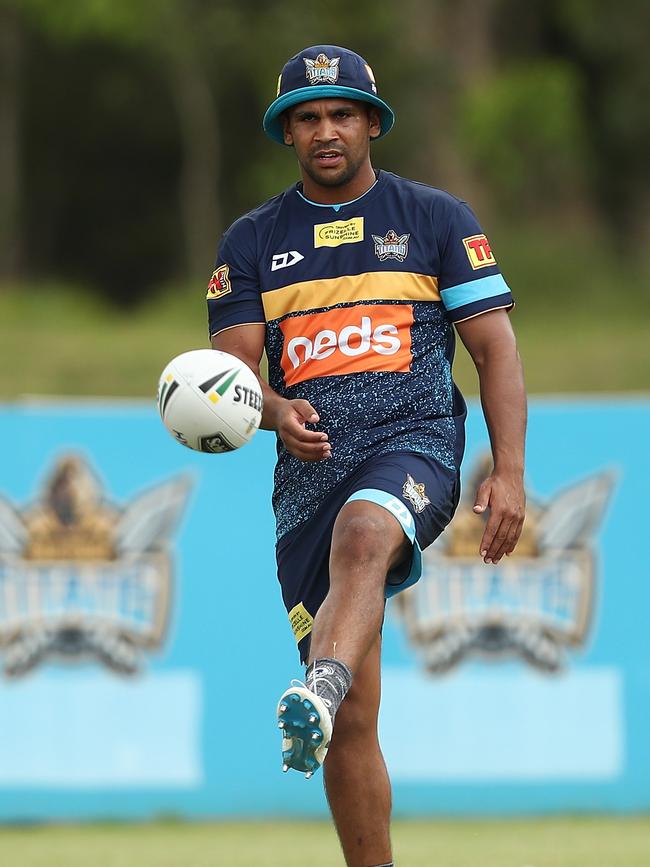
[330,679]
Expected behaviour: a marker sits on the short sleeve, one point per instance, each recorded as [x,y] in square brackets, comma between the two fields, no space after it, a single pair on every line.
[233,294]
[470,282]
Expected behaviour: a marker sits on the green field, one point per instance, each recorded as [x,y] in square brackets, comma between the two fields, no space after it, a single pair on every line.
[87,349]
[570,842]
[581,321]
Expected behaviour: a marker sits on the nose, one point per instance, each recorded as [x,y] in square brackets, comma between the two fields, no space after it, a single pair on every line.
[326,130]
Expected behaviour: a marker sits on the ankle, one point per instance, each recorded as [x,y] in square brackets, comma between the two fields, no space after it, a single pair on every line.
[330,679]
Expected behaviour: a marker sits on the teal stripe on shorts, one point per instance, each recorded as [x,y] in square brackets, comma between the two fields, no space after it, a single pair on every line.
[395,506]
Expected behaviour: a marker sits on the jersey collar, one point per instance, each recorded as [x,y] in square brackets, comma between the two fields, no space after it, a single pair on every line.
[369,193]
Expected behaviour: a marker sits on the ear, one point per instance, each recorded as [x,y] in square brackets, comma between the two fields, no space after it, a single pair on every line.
[288,138]
[374,123]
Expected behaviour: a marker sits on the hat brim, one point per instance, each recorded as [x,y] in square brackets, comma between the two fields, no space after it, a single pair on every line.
[273,125]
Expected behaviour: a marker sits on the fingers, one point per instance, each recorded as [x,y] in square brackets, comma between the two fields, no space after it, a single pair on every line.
[500,538]
[307,445]
[506,520]
[497,541]
[305,410]
[317,449]
[482,498]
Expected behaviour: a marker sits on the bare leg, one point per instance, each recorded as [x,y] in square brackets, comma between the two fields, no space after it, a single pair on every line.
[356,780]
[367,542]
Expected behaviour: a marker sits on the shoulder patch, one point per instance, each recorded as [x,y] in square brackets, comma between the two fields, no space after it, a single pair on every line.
[219,283]
[478,252]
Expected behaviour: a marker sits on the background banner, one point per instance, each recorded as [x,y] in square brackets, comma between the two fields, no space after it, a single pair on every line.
[139,602]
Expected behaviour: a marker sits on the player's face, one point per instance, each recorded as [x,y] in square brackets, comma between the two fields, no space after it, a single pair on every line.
[331,138]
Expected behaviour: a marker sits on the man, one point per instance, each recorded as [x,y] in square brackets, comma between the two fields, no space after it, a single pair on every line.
[353,280]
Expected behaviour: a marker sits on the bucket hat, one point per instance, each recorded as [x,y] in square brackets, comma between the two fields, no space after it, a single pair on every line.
[324,72]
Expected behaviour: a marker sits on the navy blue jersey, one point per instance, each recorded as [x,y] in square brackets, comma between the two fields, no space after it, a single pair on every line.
[359,301]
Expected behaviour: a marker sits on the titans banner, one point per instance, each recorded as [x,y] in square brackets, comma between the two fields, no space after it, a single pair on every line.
[138,592]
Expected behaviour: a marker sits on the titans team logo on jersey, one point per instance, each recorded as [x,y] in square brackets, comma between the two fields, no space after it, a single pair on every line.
[393,246]
[322,70]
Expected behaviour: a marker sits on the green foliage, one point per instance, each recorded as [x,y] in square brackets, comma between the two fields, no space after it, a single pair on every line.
[524,130]
[140,120]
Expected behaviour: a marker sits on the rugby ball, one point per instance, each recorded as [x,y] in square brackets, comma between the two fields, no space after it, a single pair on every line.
[210,401]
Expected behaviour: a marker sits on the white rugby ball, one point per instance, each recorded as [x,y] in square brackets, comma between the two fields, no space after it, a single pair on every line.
[210,401]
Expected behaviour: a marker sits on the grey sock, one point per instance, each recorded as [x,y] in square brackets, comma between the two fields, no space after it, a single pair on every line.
[330,679]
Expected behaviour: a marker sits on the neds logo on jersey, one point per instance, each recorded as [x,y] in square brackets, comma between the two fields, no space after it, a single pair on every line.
[356,339]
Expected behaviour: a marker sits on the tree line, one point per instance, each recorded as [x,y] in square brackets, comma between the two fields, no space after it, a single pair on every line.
[130,130]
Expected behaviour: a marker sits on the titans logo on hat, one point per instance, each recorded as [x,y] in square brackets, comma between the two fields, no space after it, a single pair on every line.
[322,70]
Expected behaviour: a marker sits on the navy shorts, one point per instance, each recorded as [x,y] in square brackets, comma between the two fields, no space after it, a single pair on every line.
[421,494]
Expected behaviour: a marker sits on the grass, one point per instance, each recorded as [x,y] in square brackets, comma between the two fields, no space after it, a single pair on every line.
[75,344]
[566,842]
[581,322]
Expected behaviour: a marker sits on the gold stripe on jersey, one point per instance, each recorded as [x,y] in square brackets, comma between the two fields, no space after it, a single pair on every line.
[371,286]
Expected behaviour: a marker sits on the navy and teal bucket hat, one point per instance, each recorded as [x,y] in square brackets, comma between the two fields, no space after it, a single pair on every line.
[324,72]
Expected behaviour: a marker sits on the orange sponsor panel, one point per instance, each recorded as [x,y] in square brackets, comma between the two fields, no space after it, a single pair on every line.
[347,340]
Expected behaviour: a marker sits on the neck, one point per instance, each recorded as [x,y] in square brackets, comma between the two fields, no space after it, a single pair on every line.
[352,189]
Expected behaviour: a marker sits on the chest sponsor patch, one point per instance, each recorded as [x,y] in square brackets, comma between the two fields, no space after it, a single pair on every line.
[479,252]
[219,283]
[339,232]
[357,339]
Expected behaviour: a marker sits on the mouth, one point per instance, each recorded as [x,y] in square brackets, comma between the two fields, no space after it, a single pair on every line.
[328,157]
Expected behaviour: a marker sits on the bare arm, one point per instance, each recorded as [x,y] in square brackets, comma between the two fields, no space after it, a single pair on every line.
[491,343]
[287,417]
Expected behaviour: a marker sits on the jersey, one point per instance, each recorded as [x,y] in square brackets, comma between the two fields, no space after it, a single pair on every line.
[359,302]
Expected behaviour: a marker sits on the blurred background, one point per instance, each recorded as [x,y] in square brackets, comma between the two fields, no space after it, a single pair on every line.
[130,138]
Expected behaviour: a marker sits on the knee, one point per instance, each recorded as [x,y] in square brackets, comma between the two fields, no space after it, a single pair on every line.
[360,538]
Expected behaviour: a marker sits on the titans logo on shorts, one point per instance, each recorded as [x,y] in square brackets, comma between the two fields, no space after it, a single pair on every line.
[359,302]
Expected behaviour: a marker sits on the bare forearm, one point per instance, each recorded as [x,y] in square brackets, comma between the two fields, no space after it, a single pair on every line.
[492,345]
[503,399]
[247,343]
[288,417]
[273,405]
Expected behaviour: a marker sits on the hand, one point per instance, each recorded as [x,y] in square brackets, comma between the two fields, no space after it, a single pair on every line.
[307,445]
[503,495]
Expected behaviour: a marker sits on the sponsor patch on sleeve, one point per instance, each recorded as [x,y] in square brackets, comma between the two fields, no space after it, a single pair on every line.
[479,252]
[219,283]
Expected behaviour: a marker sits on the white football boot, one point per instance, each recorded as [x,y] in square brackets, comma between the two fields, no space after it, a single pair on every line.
[306,726]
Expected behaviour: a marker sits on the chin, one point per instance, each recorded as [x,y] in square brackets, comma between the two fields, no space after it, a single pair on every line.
[330,179]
